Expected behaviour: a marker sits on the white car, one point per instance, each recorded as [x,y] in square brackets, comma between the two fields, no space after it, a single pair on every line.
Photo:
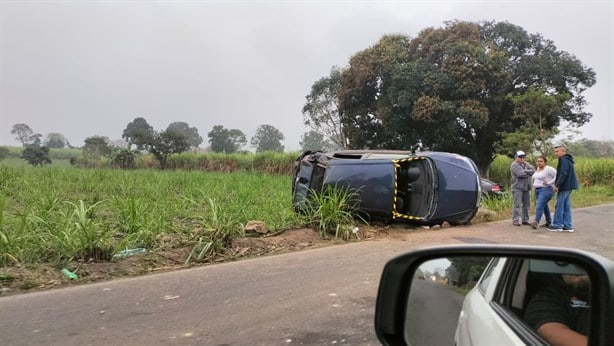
[494,311]
[506,303]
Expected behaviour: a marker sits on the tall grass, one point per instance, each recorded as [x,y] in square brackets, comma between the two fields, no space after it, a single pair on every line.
[583,197]
[590,171]
[333,211]
[58,214]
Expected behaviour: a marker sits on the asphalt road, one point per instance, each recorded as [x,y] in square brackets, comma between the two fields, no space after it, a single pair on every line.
[433,311]
[313,297]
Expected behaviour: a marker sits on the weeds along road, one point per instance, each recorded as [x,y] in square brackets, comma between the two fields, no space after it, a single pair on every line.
[319,296]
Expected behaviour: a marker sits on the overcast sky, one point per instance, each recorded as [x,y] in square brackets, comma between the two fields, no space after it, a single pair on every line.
[84,68]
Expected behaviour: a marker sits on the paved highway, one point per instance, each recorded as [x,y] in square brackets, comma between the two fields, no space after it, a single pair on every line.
[313,297]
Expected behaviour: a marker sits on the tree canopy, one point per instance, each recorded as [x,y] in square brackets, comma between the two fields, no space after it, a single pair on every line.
[56,140]
[268,138]
[177,138]
[36,155]
[139,133]
[461,88]
[467,269]
[224,140]
[25,135]
[96,147]
[313,140]
[321,111]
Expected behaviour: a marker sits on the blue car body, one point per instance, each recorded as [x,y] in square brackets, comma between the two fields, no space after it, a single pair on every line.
[423,187]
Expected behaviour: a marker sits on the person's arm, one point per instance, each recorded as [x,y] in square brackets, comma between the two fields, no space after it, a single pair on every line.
[551,172]
[558,334]
[519,172]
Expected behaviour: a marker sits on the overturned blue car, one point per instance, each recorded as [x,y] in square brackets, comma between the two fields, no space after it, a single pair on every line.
[423,188]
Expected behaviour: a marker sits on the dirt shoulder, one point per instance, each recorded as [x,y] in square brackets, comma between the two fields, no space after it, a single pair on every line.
[17,280]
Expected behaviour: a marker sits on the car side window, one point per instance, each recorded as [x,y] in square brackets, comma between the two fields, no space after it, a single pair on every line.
[486,278]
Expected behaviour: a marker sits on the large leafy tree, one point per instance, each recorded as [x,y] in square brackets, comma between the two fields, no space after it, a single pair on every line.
[321,111]
[459,88]
[56,140]
[177,138]
[373,116]
[267,138]
[225,140]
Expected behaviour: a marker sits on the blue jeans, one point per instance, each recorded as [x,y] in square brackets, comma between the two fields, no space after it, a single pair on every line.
[543,195]
[562,210]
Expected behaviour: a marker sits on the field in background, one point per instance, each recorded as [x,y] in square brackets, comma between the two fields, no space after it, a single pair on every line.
[590,171]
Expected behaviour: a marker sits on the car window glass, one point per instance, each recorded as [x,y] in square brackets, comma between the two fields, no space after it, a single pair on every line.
[486,278]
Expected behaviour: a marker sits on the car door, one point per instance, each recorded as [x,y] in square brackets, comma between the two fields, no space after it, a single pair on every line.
[492,311]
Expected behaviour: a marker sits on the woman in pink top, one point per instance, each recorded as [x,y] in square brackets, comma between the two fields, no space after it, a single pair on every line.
[543,181]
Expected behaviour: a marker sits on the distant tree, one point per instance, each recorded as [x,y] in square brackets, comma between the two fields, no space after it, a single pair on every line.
[25,135]
[591,148]
[139,133]
[183,136]
[177,138]
[268,138]
[224,140]
[36,155]
[321,111]
[469,269]
[4,153]
[35,139]
[96,147]
[56,140]
[22,133]
[313,140]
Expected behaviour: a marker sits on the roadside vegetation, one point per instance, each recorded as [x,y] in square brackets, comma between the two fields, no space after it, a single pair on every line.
[60,214]
[595,175]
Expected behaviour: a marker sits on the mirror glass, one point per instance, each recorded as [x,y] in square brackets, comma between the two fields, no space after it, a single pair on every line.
[496,300]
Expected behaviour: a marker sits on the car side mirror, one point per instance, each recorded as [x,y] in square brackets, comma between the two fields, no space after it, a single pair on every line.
[485,294]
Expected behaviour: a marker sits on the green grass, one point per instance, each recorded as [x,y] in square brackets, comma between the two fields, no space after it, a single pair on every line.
[58,214]
[332,212]
[583,197]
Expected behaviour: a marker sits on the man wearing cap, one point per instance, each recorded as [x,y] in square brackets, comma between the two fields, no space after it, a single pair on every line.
[521,187]
[564,184]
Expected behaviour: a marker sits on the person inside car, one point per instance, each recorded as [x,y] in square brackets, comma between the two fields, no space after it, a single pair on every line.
[559,310]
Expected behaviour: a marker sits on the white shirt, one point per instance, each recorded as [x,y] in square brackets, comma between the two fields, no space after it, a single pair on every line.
[545,177]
